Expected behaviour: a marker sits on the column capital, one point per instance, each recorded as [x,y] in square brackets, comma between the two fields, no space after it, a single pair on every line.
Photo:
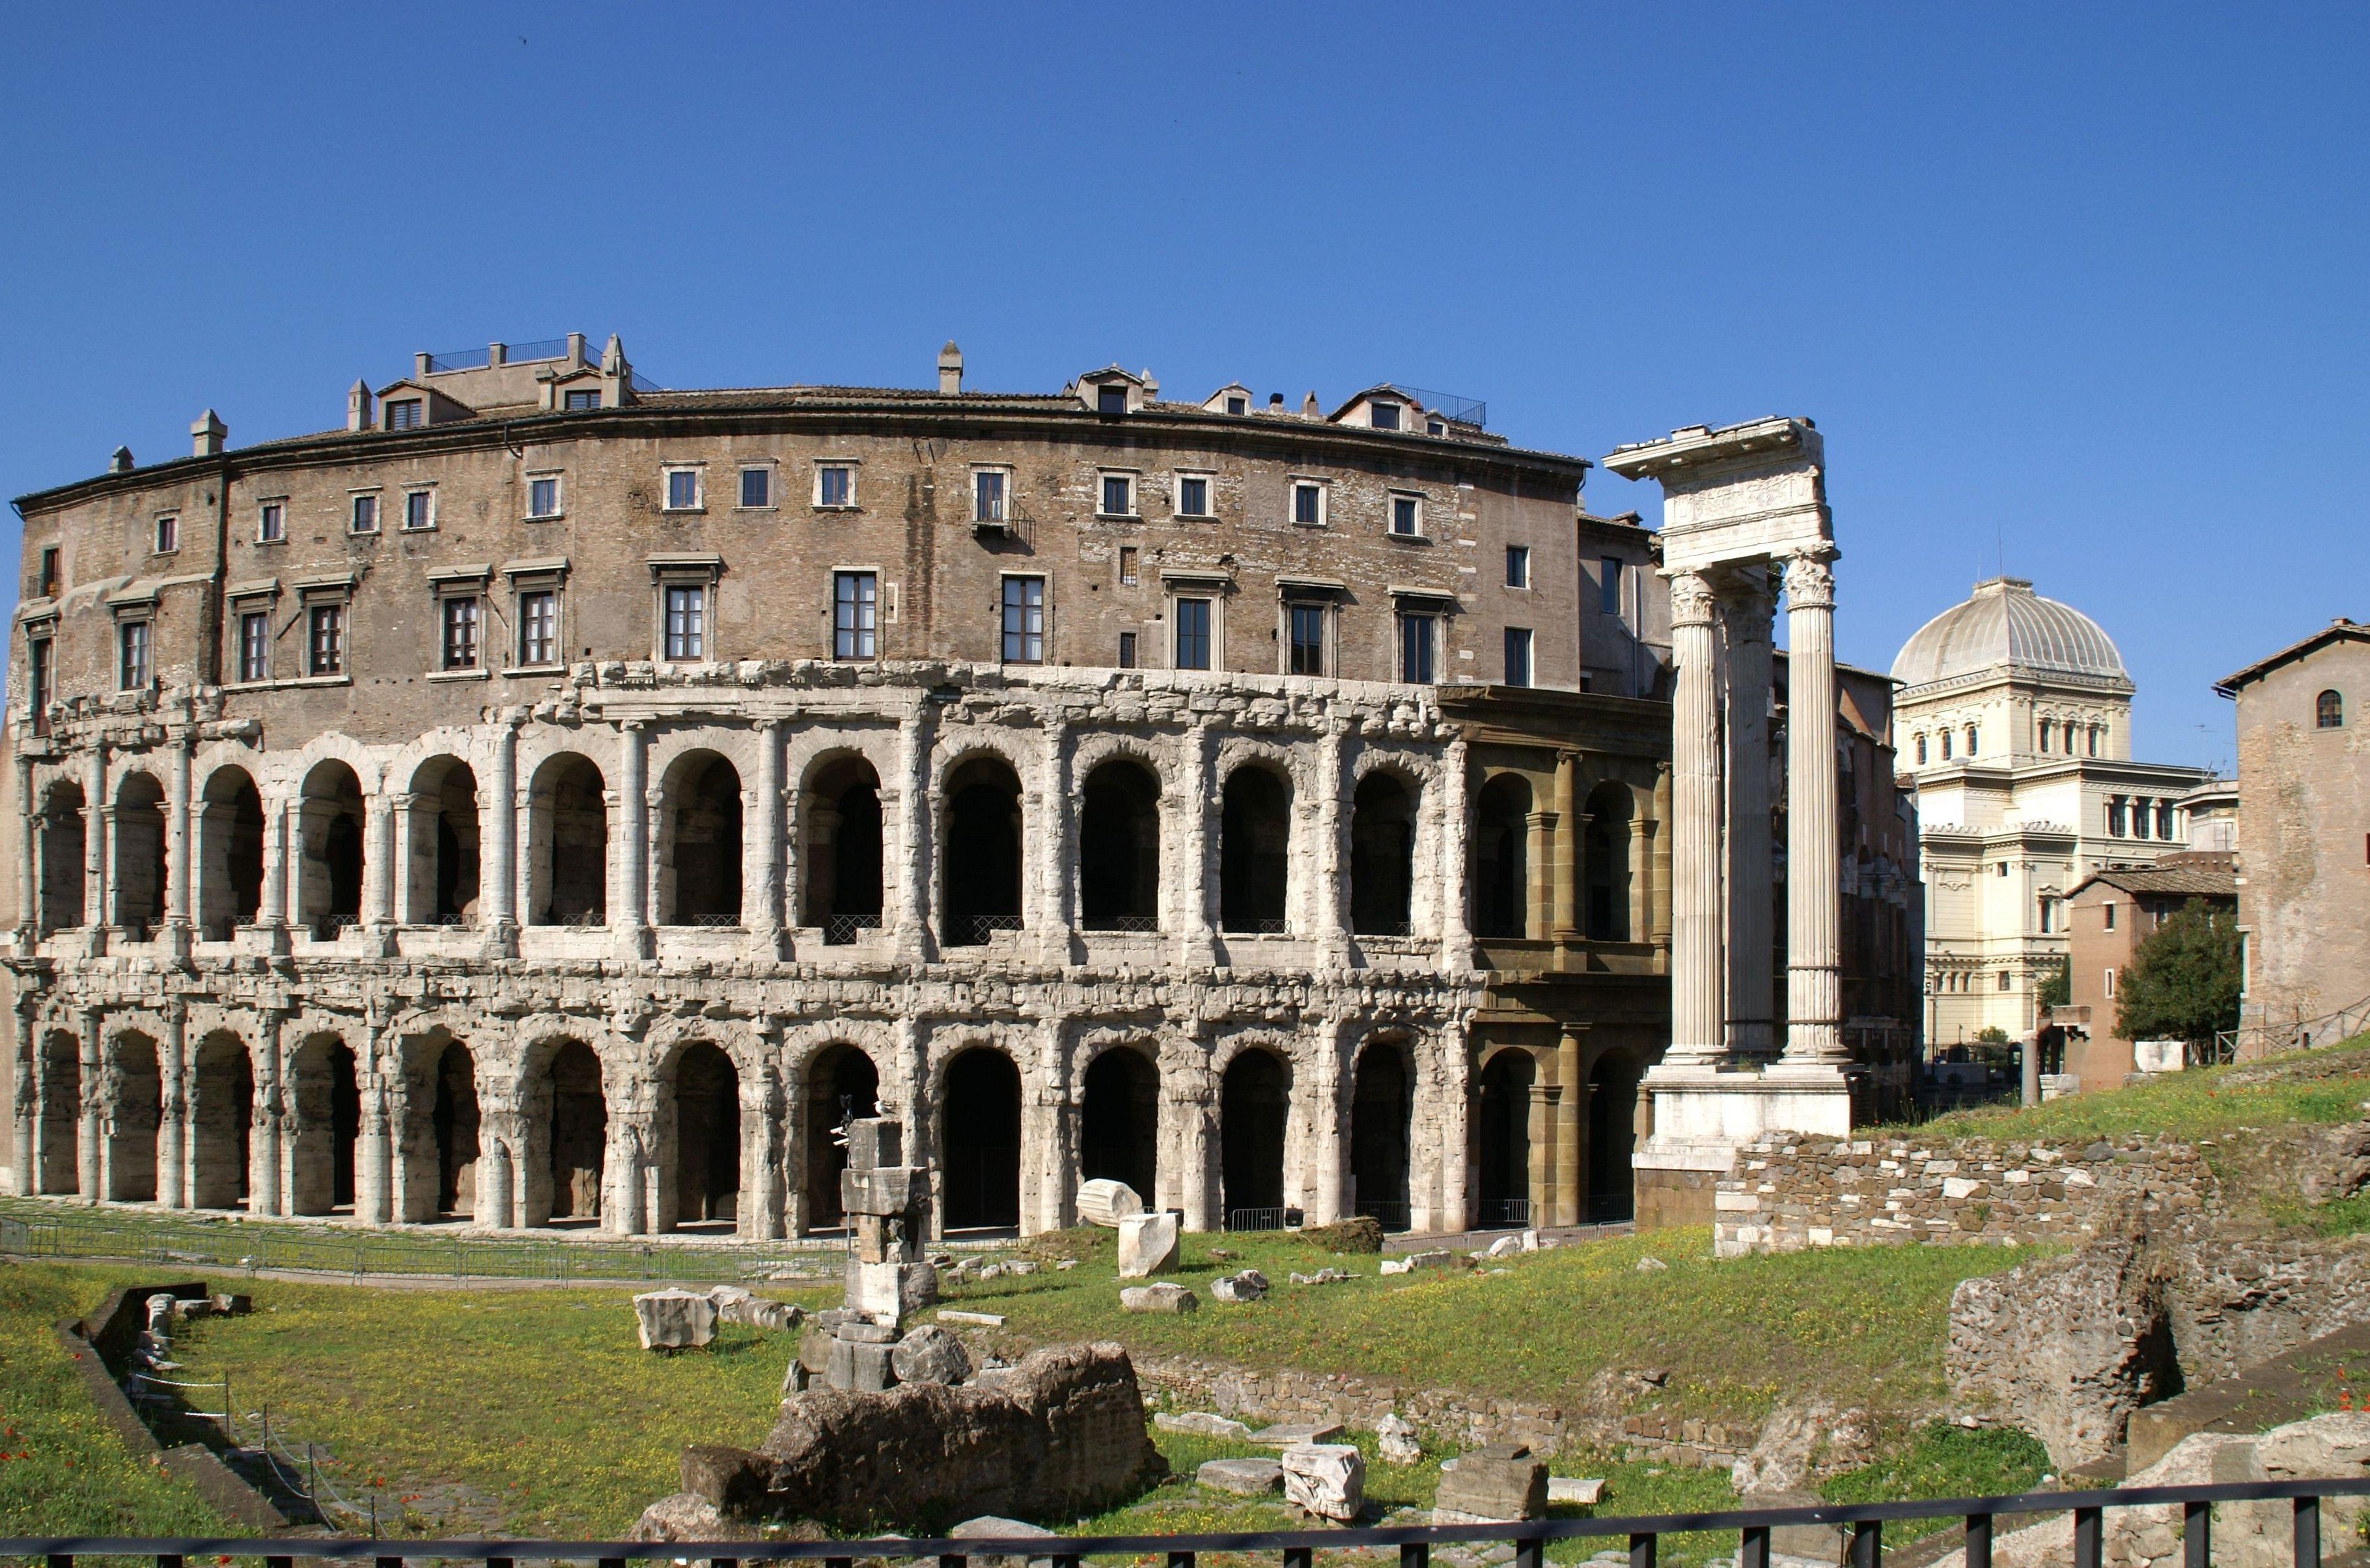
[1692,599]
[1810,578]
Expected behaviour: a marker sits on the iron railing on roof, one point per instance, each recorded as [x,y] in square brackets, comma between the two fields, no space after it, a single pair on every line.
[460,359]
[527,354]
[1449,406]
[1859,1526]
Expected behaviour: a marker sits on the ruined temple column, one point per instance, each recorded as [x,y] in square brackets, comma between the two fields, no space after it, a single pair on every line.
[182,864]
[913,868]
[629,898]
[1744,615]
[770,851]
[1456,1107]
[271,908]
[497,1192]
[1696,1032]
[91,1173]
[381,875]
[173,1112]
[1813,912]
[498,845]
[1456,829]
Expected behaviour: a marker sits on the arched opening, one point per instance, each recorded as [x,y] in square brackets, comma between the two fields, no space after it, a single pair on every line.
[1119,849]
[1254,1105]
[221,1116]
[707,1135]
[700,861]
[579,1131]
[1500,869]
[1612,1132]
[140,869]
[1378,1133]
[329,850]
[1606,875]
[2329,710]
[230,872]
[980,1146]
[1503,1131]
[1254,850]
[59,1108]
[568,844]
[131,1124]
[453,1123]
[64,844]
[981,892]
[443,887]
[328,1105]
[1381,856]
[842,850]
[843,1084]
[1119,1120]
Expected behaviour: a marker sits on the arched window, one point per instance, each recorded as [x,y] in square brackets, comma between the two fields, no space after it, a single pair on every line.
[2329,710]
[1119,849]
[1946,746]
[1921,751]
[2097,733]
[1381,856]
[2043,747]
[1972,748]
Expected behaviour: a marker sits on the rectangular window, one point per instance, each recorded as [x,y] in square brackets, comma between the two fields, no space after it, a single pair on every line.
[2114,816]
[131,671]
[1024,621]
[1608,586]
[1308,640]
[255,646]
[1109,399]
[2106,912]
[1309,505]
[1518,656]
[757,487]
[542,496]
[2005,982]
[461,633]
[988,496]
[1193,634]
[686,621]
[1407,516]
[1419,647]
[835,485]
[418,509]
[325,641]
[1192,495]
[575,402]
[1118,496]
[404,414]
[37,659]
[48,587]
[363,517]
[854,615]
[1518,566]
[1238,405]
[1385,416]
[2110,984]
[169,533]
[1127,565]
[2164,820]
[271,523]
[538,626]
[1127,651]
[683,490]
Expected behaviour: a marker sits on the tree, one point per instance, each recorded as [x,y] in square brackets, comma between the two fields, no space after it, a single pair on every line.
[2057,991]
[2182,982]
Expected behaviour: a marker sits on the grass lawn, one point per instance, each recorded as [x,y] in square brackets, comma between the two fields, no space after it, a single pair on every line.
[2307,1087]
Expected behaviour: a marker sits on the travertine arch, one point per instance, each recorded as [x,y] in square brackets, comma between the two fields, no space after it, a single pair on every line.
[285,773]
[1293,770]
[1155,753]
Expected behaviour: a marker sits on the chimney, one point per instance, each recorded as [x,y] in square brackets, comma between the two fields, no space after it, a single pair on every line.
[949,370]
[419,366]
[1275,402]
[497,355]
[206,436]
[1309,409]
[613,358]
[358,405]
[122,462]
[576,347]
[1151,387]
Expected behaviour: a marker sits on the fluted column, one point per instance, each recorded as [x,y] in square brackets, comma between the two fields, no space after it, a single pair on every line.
[629,898]
[1744,613]
[498,845]
[765,921]
[1696,1032]
[1814,990]
[1456,862]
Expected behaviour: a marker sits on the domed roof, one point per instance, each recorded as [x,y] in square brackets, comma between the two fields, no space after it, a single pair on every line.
[2007,626]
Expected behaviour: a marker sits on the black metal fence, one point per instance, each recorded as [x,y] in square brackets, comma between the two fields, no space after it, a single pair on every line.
[1863,1523]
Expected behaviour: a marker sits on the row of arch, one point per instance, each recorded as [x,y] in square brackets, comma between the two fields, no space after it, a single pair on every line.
[700,828]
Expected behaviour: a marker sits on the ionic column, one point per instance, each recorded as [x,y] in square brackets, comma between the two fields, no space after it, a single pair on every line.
[913,944]
[1564,925]
[173,1115]
[1744,615]
[630,897]
[1192,879]
[1697,1036]
[1055,831]
[181,867]
[765,923]
[91,1173]
[1456,862]
[1813,996]
[498,847]
[29,883]
[1332,931]
[1538,855]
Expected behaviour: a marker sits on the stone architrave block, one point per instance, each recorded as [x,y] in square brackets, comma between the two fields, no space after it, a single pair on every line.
[1246,1477]
[888,1190]
[1583,1491]
[1296,1434]
[1147,1244]
[1172,1300]
[1328,1479]
[674,1319]
[1104,1202]
[1202,1424]
[1486,1489]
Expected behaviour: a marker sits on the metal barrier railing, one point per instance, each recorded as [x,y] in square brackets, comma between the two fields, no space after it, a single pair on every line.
[1298,1549]
[2266,1038]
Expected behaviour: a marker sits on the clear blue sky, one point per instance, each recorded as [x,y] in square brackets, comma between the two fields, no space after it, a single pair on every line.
[2078,287]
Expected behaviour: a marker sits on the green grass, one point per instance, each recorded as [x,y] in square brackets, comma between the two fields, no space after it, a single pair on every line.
[62,1470]
[1943,1460]
[2310,1088]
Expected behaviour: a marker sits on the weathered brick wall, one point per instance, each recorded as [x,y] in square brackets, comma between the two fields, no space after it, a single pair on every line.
[1868,1192]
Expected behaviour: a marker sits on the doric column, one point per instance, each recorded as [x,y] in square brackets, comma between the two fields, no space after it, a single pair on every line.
[28,881]
[26,1101]
[1814,992]
[182,863]
[1456,1107]
[498,846]
[1332,931]
[266,1190]
[1538,862]
[1056,831]
[1571,1114]
[1745,616]
[1697,1036]
[89,1169]
[271,909]
[1194,878]
[629,899]
[913,944]
[1565,924]
[172,1113]
[767,918]
[1051,1178]
[373,1173]
[382,873]
[98,818]
[1328,1149]
[1456,862]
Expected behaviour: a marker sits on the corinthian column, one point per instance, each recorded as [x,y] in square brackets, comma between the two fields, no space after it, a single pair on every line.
[1695,799]
[1744,614]
[1813,998]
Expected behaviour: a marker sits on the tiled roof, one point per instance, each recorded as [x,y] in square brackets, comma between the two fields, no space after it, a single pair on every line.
[2212,878]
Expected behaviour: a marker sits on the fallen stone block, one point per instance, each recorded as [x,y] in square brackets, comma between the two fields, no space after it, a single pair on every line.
[976,1319]
[1287,1435]
[1486,1488]
[1583,1492]
[1395,1438]
[1173,1300]
[1328,1479]
[1432,1258]
[1147,1244]
[929,1355]
[674,1319]
[1104,1202]
[1202,1424]
[1505,1247]
[1248,1285]
[861,1368]
[988,1527]
[1246,1477]
[1324,1277]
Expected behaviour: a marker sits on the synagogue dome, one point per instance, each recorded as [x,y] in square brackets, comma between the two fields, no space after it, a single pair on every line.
[2006,628]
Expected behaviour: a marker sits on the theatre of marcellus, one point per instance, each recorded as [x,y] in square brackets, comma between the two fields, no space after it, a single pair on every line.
[551,802]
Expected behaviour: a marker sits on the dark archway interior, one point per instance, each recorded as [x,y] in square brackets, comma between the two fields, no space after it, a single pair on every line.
[328,1123]
[221,1111]
[230,884]
[140,871]
[1119,1121]
[454,1118]
[982,1141]
[1254,1107]
[1119,849]
[1612,1130]
[579,1131]
[1254,851]
[331,876]
[1503,1130]
[1382,857]
[705,846]
[983,864]
[843,850]
[707,1135]
[451,891]
[843,1084]
[1500,872]
[61,1106]
[1378,1135]
[1606,873]
[571,819]
[64,844]
[138,1113]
